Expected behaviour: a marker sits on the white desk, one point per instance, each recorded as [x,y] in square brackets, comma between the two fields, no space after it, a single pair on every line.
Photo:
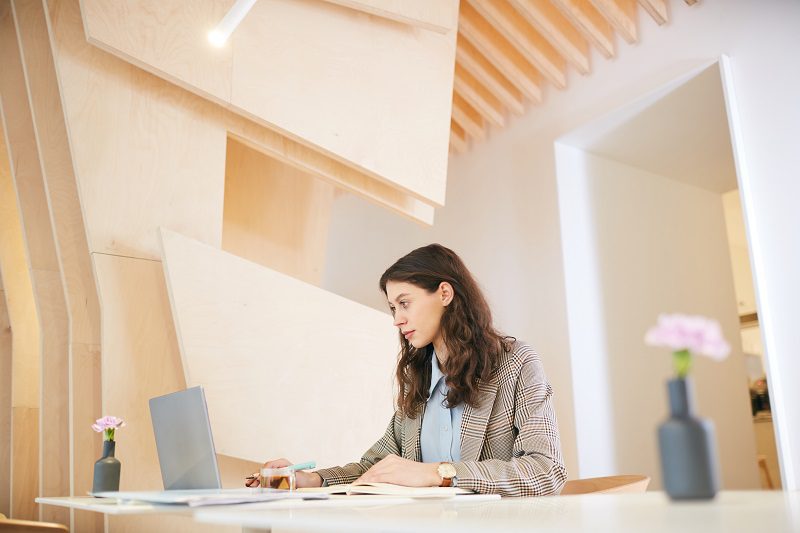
[110,507]
[752,511]
[756,511]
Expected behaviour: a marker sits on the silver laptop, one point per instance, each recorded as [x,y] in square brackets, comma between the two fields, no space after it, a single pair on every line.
[186,453]
[184,441]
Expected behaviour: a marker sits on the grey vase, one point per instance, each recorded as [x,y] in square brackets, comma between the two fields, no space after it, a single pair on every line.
[106,470]
[687,447]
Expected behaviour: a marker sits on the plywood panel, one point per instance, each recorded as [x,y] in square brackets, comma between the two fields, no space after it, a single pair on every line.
[275,214]
[5,402]
[247,333]
[183,52]
[46,276]
[145,152]
[317,164]
[73,257]
[140,359]
[438,15]
[368,93]
[14,259]
[371,93]
[25,462]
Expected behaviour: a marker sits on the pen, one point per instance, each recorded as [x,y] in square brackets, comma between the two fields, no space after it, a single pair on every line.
[303,466]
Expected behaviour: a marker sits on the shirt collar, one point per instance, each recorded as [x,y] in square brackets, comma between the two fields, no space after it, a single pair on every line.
[436,374]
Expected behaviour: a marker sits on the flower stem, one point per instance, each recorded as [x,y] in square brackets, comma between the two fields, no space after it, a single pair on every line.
[108,434]
[682,361]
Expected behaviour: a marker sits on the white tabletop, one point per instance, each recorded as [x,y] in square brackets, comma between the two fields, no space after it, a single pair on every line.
[750,511]
[109,506]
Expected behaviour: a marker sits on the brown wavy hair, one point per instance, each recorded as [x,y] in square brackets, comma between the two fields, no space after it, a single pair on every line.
[474,347]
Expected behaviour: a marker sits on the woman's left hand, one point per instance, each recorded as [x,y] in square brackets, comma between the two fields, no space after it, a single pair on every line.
[399,471]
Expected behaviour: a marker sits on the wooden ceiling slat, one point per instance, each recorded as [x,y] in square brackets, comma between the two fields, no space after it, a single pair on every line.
[478,97]
[622,15]
[458,138]
[656,9]
[499,51]
[476,64]
[559,31]
[467,117]
[527,40]
[590,23]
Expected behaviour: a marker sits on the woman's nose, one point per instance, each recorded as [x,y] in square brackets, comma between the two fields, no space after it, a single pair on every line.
[399,319]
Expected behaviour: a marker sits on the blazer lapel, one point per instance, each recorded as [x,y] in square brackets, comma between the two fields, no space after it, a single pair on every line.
[474,421]
[411,438]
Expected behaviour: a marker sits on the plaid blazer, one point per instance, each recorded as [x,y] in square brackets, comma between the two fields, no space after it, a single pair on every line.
[509,442]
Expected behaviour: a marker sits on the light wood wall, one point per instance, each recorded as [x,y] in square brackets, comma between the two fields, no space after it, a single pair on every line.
[75,266]
[369,92]
[15,266]
[5,387]
[23,480]
[275,214]
[54,474]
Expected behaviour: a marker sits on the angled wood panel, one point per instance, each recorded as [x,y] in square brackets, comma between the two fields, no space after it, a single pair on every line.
[145,151]
[15,266]
[316,164]
[370,91]
[5,393]
[247,331]
[439,15]
[45,270]
[83,388]
[275,214]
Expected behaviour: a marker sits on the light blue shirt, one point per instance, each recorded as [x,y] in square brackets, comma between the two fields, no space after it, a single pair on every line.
[440,437]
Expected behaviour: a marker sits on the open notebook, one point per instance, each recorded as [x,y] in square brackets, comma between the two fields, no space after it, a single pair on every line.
[387,489]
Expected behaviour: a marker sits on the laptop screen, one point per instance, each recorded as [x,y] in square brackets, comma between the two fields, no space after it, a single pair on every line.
[183,440]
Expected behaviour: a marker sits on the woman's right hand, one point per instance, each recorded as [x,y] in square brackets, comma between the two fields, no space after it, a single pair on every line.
[303,479]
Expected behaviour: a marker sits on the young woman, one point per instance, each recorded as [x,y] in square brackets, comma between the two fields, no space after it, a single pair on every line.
[474,408]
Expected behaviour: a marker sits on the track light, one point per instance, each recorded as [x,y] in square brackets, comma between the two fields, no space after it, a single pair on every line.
[219,35]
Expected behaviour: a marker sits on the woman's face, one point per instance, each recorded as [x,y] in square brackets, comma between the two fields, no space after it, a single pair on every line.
[417,312]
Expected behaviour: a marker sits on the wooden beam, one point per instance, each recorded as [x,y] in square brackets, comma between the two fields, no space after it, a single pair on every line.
[484,71]
[549,21]
[656,9]
[478,96]
[458,138]
[527,40]
[622,15]
[467,117]
[502,53]
[590,23]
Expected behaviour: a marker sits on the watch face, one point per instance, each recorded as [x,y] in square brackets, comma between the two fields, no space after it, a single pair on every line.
[446,470]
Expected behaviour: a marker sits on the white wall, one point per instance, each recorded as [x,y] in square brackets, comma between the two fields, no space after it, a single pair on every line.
[645,244]
[502,206]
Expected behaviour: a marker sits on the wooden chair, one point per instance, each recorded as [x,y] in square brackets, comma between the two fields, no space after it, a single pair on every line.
[606,485]
[28,526]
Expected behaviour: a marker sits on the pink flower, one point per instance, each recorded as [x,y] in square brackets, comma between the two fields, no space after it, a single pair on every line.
[697,334]
[107,422]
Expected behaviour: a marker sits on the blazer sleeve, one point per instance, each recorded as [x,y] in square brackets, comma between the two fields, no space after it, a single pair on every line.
[390,443]
[536,467]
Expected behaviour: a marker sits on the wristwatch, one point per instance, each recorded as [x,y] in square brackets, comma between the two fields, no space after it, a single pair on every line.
[447,472]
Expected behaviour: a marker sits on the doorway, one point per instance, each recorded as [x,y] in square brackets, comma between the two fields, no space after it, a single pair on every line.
[643,217]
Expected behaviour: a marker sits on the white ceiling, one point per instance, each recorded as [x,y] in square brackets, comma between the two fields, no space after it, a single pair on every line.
[681,134]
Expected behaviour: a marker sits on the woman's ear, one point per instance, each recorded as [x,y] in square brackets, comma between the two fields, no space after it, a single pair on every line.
[446,292]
